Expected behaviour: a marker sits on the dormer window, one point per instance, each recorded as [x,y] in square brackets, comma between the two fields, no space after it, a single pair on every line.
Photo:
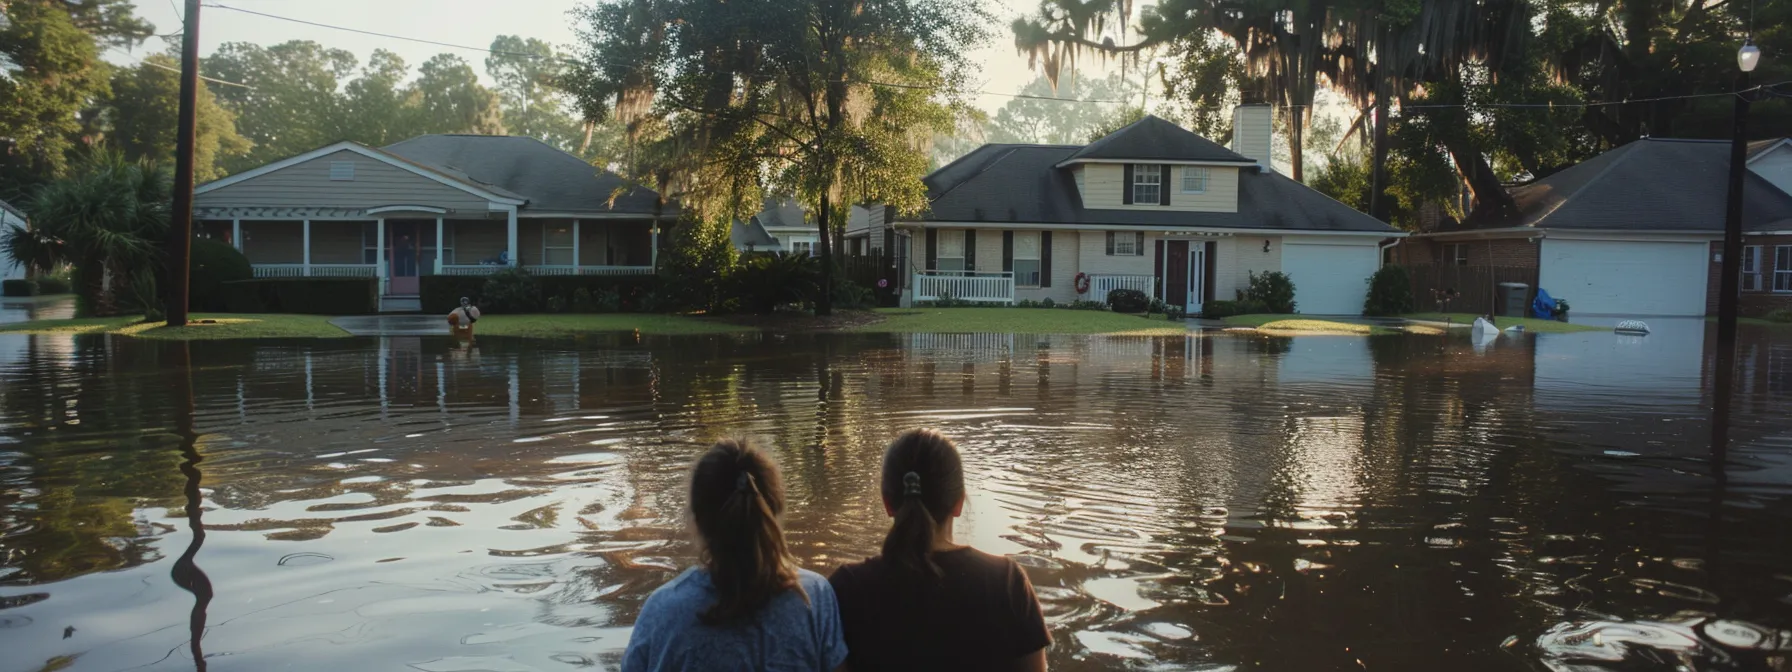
[1147,183]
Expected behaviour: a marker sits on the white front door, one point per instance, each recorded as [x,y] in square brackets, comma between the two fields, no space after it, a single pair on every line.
[1330,279]
[1625,277]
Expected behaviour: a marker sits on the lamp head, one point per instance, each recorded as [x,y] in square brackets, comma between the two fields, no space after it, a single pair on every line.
[1748,56]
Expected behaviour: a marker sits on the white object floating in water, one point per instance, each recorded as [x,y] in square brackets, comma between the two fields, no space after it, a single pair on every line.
[1515,329]
[1484,331]
[1636,327]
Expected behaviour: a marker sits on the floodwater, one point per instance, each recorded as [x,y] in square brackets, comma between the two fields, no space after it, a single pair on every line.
[1209,502]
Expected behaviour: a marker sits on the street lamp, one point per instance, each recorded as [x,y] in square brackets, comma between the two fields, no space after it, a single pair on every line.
[1746,59]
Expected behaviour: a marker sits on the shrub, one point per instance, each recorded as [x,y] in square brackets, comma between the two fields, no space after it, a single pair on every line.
[1086,305]
[309,296]
[1026,303]
[1174,313]
[511,290]
[609,301]
[20,287]
[1157,306]
[1047,302]
[1218,309]
[213,264]
[140,293]
[851,295]
[765,282]
[1390,293]
[582,302]
[56,283]
[556,304]
[1781,315]
[1128,301]
[1273,289]
[695,268]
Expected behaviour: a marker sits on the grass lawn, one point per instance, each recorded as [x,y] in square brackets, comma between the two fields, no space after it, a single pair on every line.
[1018,321]
[552,326]
[1756,321]
[224,327]
[1296,324]
[1530,324]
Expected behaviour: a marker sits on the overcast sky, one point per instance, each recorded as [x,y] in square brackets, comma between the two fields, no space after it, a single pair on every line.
[475,23]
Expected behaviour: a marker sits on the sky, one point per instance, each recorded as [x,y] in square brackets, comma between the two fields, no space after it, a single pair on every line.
[475,23]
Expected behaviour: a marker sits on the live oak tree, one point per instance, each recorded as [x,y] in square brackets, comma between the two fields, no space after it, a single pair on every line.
[526,71]
[835,101]
[143,111]
[451,99]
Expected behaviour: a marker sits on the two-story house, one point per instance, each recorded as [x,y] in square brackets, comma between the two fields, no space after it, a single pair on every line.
[1151,206]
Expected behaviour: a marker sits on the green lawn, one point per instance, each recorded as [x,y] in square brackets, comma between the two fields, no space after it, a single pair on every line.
[1018,321]
[1297,324]
[222,327]
[1757,322]
[554,326]
[1530,324]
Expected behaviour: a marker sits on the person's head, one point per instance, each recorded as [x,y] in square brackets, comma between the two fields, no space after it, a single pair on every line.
[736,498]
[464,302]
[923,488]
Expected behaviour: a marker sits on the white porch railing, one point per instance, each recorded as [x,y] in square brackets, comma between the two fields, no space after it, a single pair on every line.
[567,269]
[1101,284]
[472,269]
[965,285]
[316,270]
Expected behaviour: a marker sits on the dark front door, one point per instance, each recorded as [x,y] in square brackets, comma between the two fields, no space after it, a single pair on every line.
[403,250]
[1175,273]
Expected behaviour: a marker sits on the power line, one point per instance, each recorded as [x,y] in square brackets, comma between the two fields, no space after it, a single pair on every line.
[1024,96]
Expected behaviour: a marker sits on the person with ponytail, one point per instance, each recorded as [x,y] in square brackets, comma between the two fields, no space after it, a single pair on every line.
[929,603]
[746,606]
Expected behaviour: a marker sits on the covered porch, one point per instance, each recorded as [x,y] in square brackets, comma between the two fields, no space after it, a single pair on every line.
[403,246]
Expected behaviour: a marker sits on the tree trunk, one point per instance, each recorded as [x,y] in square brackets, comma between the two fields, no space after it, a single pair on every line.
[1378,180]
[1491,199]
[1297,138]
[824,301]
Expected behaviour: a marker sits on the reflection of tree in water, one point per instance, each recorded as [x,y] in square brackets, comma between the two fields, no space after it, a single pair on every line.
[186,572]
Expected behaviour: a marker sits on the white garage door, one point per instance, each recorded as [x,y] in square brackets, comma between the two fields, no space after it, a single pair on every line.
[1598,277]
[1330,279]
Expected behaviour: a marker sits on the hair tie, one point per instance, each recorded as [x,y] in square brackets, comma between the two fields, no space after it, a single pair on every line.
[745,482]
[911,484]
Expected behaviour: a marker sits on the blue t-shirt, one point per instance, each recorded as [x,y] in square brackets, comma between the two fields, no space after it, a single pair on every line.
[789,634]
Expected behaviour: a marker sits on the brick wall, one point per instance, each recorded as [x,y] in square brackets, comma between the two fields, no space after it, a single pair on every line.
[1509,252]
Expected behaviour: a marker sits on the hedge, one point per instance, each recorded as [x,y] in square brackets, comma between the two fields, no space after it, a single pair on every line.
[310,296]
[19,287]
[212,264]
[442,293]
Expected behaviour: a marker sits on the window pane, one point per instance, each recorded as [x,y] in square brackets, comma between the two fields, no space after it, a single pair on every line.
[1145,194]
[949,263]
[557,256]
[1194,180]
[1026,245]
[950,244]
[559,236]
[1026,272]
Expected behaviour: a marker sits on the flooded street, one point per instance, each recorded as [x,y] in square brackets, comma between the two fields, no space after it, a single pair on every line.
[1209,502]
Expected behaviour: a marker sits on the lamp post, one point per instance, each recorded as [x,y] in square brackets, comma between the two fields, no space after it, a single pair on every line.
[1746,60]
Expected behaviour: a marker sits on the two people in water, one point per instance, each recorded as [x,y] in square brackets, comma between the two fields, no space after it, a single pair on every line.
[926,603]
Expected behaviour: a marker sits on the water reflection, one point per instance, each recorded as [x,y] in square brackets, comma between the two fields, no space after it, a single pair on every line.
[1181,503]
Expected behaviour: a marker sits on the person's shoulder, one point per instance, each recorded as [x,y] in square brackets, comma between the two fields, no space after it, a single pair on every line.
[692,583]
[811,581]
[980,561]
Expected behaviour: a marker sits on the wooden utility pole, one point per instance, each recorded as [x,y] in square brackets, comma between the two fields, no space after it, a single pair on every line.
[180,229]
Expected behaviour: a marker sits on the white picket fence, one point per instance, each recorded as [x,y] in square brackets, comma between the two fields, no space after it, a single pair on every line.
[567,269]
[316,270]
[1102,283]
[982,287]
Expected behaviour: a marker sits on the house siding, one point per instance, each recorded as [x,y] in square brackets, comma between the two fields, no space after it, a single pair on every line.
[476,241]
[1065,263]
[1103,185]
[1245,257]
[594,244]
[308,184]
[274,242]
[528,242]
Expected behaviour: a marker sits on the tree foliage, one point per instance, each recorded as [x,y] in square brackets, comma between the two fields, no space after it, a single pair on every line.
[526,71]
[1063,114]
[145,109]
[109,217]
[49,71]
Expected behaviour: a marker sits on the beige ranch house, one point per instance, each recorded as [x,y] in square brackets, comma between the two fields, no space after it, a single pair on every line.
[434,205]
[1152,207]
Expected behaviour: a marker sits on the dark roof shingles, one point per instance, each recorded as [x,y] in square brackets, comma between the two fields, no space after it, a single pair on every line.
[1154,139]
[551,180]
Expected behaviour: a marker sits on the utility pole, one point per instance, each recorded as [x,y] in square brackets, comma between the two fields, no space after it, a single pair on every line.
[180,229]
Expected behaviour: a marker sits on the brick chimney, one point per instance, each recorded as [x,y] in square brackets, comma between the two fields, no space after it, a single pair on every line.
[1252,129]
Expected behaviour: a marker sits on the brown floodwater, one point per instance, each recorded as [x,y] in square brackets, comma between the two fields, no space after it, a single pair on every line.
[1208,502]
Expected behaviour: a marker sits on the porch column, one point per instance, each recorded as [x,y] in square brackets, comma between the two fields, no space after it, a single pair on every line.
[575,247]
[439,246]
[1163,262]
[511,233]
[654,246]
[306,260]
[379,254]
[236,234]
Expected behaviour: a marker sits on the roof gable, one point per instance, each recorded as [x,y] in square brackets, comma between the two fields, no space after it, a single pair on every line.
[1152,139]
[448,178]
[552,180]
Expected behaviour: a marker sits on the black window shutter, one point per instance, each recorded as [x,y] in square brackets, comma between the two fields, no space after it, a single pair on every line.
[970,249]
[1138,243]
[1163,184]
[1110,243]
[1045,259]
[933,249]
[1008,251]
[1126,188]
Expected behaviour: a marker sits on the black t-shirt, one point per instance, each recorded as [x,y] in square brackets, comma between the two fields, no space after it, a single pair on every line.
[980,615]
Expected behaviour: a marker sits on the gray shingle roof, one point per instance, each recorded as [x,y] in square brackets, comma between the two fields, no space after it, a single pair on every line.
[1154,139]
[749,235]
[781,212]
[1653,184]
[550,179]
[1019,183]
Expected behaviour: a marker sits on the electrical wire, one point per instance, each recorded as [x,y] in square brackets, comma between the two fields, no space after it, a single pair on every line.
[1470,106]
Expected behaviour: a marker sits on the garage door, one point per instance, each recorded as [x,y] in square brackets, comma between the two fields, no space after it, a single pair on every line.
[1330,279]
[1598,277]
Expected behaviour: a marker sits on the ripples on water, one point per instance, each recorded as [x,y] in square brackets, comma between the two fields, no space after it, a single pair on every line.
[1208,502]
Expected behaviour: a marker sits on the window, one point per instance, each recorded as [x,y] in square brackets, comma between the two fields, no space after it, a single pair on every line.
[1456,254]
[1147,184]
[1026,258]
[1194,179]
[342,171]
[447,243]
[370,243]
[1126,244]
[556,245]
[1751,268]
[803,246]
[949,251]
[1782,268]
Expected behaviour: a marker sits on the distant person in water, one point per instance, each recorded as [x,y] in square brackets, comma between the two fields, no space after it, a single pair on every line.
[746,606]
[929,603]
[460,320]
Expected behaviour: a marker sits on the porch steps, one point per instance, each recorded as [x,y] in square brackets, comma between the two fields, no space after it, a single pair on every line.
[401,304]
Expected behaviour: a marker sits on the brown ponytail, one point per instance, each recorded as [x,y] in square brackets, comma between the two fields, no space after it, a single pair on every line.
[923,482]
[736,498]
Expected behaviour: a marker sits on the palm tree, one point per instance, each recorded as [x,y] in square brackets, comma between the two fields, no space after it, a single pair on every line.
[105,220]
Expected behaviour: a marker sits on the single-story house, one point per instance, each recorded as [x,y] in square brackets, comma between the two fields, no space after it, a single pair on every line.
[781,225]
[1152,207]
[1636,231]
[434,205]
[11,216]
